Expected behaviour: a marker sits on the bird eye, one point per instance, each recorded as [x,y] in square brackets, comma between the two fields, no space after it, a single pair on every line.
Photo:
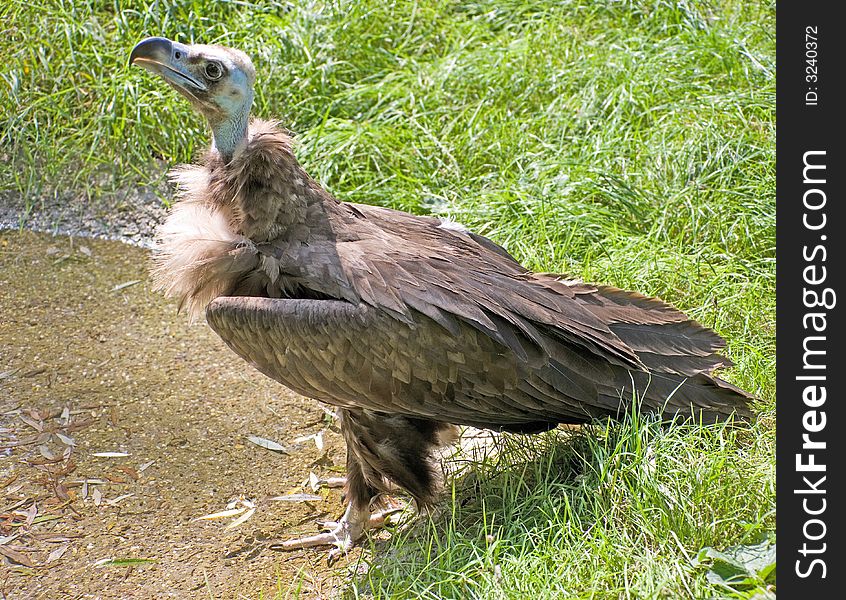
[214,71]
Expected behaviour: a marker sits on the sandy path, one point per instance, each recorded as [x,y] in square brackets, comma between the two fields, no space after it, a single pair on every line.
[135,378]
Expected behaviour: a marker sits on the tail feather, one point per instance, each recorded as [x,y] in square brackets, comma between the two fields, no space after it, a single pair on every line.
[680,354]
[699,396]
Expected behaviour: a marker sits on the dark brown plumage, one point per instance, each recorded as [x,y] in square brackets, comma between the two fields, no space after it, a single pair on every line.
[409,324]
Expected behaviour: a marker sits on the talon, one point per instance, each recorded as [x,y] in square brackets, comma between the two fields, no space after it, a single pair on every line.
[334,555]
[344,534]
[380,518]
[327,525]
[332,482]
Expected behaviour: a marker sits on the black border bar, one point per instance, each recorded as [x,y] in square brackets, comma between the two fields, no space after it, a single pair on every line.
[811,265]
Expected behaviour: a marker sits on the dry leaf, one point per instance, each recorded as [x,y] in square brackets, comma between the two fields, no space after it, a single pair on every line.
[241,519]
[313,481]
[316,437]
[130,472]
[31,513]
[55,539]
[79,424]
[110,454]
[297,498]
[66,439]
[98,496]
[16,557]
[32,423]
[62,491]
[114,501]
[268,444]
[34,412]
[125,285]
[57,553]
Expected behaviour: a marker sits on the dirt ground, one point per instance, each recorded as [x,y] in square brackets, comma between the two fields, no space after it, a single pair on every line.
[121,424]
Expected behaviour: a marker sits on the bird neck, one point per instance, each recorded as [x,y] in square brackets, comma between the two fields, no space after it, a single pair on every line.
[229,133]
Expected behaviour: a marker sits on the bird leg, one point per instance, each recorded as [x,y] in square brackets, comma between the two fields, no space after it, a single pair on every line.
[381,451]
[350,529]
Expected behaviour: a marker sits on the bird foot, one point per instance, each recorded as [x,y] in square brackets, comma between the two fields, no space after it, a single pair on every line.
[344,534]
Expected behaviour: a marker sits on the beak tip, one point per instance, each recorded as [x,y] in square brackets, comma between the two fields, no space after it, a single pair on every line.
[149,48]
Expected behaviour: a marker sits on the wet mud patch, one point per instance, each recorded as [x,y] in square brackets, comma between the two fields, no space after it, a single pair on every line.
[121,424]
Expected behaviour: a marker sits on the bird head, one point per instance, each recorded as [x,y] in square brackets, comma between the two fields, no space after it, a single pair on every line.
[217,81]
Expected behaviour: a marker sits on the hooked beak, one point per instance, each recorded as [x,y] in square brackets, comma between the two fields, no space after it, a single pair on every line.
[169,60]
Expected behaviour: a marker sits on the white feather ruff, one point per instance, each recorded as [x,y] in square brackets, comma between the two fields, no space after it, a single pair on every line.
[451,225]
[198,256]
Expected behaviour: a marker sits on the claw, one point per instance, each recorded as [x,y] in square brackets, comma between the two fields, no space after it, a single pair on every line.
[344,534]
[380,518]
[332,482]
[327,525]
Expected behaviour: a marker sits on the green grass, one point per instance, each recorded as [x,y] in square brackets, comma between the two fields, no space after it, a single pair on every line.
[608,512]
[626,142]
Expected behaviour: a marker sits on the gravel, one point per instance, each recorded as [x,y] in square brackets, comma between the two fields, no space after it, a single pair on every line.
[130,217]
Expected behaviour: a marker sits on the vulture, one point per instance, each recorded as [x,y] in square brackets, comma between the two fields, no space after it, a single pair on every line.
[409,325]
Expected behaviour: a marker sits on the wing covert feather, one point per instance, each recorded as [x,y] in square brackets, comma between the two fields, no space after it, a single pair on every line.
[356,356]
